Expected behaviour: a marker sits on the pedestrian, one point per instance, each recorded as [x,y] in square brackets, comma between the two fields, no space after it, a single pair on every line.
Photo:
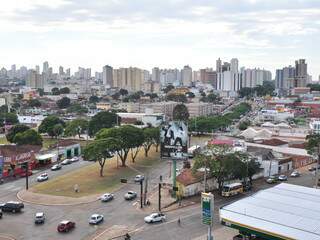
[127,237]
[179,221]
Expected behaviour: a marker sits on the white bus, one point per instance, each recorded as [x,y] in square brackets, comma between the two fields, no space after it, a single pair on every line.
[232,189]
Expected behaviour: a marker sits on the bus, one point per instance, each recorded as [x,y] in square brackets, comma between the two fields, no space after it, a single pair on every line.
[232,189]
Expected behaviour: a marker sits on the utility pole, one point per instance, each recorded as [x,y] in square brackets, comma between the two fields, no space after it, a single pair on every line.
[159,197]
[317,168]
[141,194]
[146,190]
[174,178]
[27,175]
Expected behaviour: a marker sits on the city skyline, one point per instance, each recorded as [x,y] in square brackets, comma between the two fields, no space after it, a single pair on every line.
[268,34]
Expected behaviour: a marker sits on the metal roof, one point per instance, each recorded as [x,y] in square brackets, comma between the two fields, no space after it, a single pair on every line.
[286,211]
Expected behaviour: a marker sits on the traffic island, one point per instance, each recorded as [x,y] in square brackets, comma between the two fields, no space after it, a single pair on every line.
[51,200]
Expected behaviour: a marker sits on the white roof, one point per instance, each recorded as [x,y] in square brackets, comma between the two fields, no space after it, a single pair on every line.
[285,210]
[268,124]
[45,156]
[283,125]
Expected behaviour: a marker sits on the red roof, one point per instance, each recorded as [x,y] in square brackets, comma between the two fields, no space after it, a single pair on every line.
[221,142]
[274,142]
[186,177]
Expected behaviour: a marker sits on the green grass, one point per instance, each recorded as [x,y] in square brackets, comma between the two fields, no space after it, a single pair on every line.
[4,140]
[89,181]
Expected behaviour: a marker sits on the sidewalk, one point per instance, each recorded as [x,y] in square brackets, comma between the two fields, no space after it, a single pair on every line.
[50,200]
[222,233]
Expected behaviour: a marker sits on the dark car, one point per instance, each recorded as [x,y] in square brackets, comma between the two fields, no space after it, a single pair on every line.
[0,213]
[12,207]
[66,226]
[247,186]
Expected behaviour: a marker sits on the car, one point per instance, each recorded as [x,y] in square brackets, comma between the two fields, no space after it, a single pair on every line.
[130,195]
[24,174]
[66,162]
[96,219]
[66,226]
[12,206]
[0,213]
[106,197]
[74,159]
[56,167]
[39,218]
[247,186]
[43,177]
[282,178]
[295,174]
[271,180]
[139,178]
[312,168]
[155,217]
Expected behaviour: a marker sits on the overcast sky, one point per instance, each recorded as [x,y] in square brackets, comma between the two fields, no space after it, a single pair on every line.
[167,33]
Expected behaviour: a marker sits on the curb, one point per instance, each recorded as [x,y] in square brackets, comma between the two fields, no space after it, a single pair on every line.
[53,204]
[4,236]
[180,207]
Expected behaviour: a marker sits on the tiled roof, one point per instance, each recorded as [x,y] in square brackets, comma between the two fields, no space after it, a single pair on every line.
[186,177]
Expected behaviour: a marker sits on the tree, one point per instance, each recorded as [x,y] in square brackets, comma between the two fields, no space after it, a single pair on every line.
[8,118]
[151,136]
[19,128]
[34,103]
[4,109]
[55,91]
[28,137]
[58,130]
[63,102]
[76,127]
[116,96]
[314,87]
[254,167]
[136,133]
[40,91]
[211,97]
[123,92]
[102,120]
[48,124]
[124,137]
[168,88]
[77,108]
[244,125]
[180,113]
[94,99]
[313,145]
[223,164]
[64,90]
[99,151]
[177,98]
[246,92]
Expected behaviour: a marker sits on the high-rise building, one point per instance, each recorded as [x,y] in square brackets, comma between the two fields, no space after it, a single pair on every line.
[107,76]
[131,79]
[228,77]
[155,74]
[170,77]
[45,68]
[218,65]
[61,72]
[253,77]
[301,70]
[208,76]
[34,79]
[38,69]
[186,76]
[68,72]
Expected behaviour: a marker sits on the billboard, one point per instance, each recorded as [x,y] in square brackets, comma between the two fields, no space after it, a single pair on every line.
[1,166]
[207,207]
[174,140]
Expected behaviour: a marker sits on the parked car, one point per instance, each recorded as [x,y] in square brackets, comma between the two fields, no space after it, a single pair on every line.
[43,177]
[130,195]
[282,178]
[39,218]
[56,167]
[139,178]
[66,226]
[66,162]
[247,186]
[96,219]
[295,174]
[24,174]
[155,217]
[106,197]
[74,159]
[271,180]
[11,206]
[312,168]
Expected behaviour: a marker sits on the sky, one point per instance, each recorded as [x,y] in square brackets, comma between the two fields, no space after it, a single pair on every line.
[268,34]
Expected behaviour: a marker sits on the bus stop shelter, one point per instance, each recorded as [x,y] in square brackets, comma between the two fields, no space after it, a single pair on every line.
[284,211]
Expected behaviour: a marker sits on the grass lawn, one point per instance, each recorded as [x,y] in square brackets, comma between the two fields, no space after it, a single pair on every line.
[3,140]
[90,182]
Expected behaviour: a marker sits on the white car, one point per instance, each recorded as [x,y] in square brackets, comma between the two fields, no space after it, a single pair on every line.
[155,217]
[96,219]
[43,177]
[74,159]
[56,167]
[139,178]
[106,197]
[130,195]
[282,178]
[66,162]
[295,174]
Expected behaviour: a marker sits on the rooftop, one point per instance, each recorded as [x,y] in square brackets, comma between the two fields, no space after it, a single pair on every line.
[286,211]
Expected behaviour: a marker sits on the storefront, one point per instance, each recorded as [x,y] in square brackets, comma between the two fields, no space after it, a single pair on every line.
[14,158]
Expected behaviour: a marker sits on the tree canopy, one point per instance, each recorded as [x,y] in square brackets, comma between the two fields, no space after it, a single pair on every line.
[94,99]
[151,136]
[99,151]
[28,137]
[76,127]
[102,120]
[48,126]
[63,102]
[77,108]
[64,90]
[55,91]
[19,128]
[177,98]
[180,113]
[8,118]
[211,97]
[34,103]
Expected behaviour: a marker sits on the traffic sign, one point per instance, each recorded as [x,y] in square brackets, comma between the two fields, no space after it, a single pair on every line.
[207,205]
